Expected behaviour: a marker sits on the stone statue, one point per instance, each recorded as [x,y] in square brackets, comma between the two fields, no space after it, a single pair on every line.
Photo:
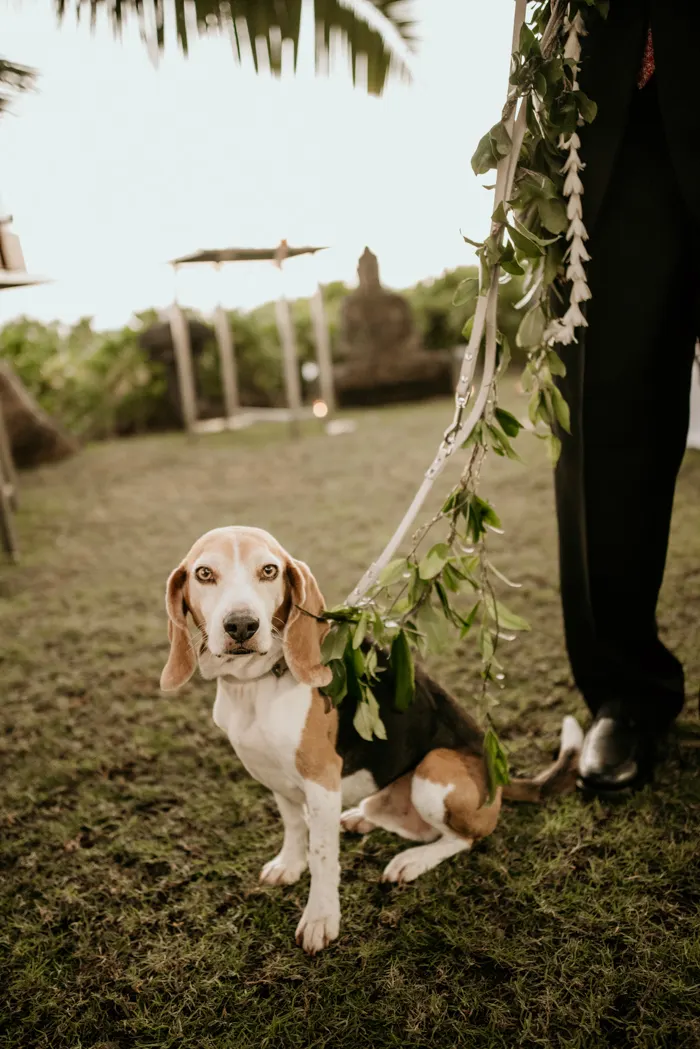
[380,351]
[368,272]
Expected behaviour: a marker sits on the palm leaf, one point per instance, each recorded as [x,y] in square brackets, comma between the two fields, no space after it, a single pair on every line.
[384,37]
[13,79]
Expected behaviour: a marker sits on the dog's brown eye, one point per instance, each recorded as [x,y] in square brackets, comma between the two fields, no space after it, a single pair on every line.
[204,574]
[270,572]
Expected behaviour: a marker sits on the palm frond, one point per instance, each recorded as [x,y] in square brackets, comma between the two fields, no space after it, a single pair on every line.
[13,79]
[367,41]
[375,29]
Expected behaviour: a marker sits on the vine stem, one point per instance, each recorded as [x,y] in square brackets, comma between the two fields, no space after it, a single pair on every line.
[485,321]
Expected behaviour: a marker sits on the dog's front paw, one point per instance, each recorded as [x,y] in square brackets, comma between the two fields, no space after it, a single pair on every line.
[282,871]
[315,931]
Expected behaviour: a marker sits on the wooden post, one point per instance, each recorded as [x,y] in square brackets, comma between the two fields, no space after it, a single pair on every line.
[180,331]
[7,463]
[8,496]
[291,368]
[227,357]
[323,350]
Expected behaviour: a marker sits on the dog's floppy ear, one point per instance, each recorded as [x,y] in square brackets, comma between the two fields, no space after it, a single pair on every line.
[302,633]
[182,660]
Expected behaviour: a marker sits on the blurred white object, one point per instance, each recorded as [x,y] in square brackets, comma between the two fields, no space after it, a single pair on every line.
[310,371]
[694,427]
[338,426]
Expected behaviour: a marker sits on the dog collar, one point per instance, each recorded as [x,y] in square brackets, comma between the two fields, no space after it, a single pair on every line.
[280,668]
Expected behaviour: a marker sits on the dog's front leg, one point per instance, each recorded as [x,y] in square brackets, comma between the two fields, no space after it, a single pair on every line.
[290,863]
[320,921]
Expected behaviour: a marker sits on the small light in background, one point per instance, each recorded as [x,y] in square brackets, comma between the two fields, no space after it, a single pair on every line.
[320,409]
[309,371]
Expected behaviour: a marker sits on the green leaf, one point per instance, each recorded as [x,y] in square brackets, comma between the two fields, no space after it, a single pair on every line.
[404,672]
[432,626]
[552,263]
[466,292]
[333,646]
[556,364]
[586,106]
[537,408]
[371,663]
[393,572]
[540,84]
[554,70]
[452,578]
[378,627]
[468,622]
[365,721]
[486,645]
[491,251]
[526,41]
[524,244]
[496,764]
[512,267]
[561,408]
[467,329]
[484,157]
[499,214]
[488,514]
[553,214]
[531,328]
[434,561]
[337,690]
[508,423]
[520,227]
[379,728]
[458,501]
[506,619]
[360,630]
[479,515]
[553,448]
[358,663]
[352,678]
[444,600]
[501,445]
[417,589]
[501,140]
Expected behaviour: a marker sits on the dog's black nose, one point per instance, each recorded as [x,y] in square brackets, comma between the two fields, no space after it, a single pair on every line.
[241,626]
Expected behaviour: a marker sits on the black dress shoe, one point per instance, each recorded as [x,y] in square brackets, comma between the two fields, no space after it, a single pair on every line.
[617,754]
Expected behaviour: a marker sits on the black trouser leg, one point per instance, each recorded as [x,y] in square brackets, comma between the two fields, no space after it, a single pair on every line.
[628,386]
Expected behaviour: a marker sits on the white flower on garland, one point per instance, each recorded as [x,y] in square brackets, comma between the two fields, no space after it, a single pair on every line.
[563,330]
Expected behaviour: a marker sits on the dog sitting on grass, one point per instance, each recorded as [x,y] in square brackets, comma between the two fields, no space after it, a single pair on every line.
[426,782]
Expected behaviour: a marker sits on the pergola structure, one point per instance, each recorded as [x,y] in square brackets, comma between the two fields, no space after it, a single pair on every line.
[236,415]
[13,274]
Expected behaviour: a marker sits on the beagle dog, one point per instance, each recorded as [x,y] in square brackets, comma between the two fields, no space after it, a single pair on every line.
[426,782]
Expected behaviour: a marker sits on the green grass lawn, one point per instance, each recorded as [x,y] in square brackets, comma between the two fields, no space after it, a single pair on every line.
[132,838]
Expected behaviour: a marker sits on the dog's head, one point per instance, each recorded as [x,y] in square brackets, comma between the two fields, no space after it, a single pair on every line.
[249,600]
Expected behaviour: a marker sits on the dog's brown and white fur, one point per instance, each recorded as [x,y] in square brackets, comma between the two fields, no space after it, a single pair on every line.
[287,735]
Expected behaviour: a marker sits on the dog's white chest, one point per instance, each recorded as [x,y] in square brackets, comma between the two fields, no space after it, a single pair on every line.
[264,722]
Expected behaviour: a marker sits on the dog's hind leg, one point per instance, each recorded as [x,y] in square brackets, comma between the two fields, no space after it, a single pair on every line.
[391,809]
[448,793]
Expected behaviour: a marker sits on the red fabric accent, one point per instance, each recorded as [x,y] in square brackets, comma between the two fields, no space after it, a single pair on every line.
[647,70]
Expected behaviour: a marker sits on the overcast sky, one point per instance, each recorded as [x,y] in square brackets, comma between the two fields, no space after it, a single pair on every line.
[115,165]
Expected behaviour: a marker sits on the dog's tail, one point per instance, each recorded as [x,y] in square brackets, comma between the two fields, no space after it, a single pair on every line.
[560,777]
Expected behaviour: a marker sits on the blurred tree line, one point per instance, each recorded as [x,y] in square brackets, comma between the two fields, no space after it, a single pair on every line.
[103,384]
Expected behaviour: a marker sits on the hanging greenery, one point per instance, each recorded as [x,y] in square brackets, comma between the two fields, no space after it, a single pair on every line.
[407,603]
